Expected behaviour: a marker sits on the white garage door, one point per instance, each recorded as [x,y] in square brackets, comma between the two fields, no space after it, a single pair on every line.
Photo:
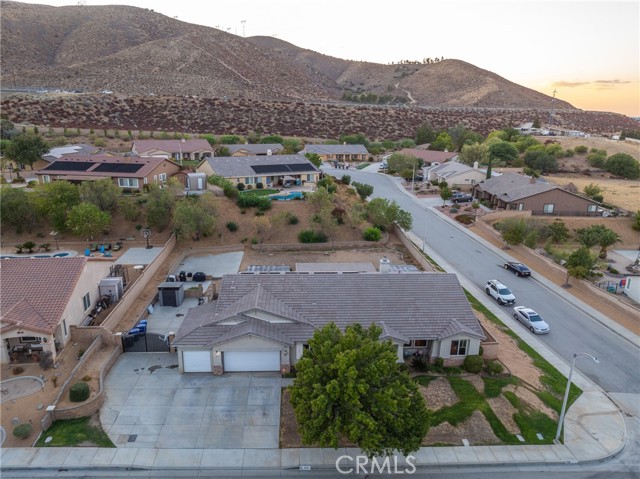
[235,361]
[196,361]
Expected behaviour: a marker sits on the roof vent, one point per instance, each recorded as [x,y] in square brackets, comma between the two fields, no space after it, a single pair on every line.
[475,165]
[269,152]
[385,265]
[183,140]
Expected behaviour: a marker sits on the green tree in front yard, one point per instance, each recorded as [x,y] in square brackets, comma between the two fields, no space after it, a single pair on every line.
[579,264]
[88,221]
[513,231]
[445,194]
[349,386]
[26,148]
[55,200]
[17,209]
[102,193]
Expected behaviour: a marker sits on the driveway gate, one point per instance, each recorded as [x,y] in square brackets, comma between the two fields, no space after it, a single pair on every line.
[145,343]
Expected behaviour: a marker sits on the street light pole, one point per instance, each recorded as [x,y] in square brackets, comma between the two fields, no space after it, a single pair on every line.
[413,177]
[566,394]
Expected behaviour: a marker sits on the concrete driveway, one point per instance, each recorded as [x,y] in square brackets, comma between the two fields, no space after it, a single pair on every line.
[148,403]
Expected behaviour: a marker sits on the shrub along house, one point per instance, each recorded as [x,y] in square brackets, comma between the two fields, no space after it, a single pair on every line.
[126,172]
[41,299]
[511,191]
[177,150]
[263,322]
[270,170]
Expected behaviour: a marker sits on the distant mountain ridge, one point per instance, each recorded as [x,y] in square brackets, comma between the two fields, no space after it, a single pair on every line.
[137,52]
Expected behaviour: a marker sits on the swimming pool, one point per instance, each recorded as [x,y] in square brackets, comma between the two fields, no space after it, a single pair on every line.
[288,196]
[51,255]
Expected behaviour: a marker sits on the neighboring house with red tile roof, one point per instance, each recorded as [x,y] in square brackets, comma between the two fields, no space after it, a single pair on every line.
[126,172]
[42,298]
[177,150]
[429,157]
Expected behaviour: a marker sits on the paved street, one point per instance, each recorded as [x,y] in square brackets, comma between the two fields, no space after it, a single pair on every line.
[574,328]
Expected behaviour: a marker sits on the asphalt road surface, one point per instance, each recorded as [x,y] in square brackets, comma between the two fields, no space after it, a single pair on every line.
[572,329]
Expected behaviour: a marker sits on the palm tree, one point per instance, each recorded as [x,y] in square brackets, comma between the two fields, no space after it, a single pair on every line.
[607,238]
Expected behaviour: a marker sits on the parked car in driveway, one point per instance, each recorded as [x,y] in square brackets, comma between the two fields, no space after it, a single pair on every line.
[499,292]
[531,320]
[461,198]
[518,268]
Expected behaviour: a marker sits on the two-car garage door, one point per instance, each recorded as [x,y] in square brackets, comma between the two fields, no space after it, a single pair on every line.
[236,361]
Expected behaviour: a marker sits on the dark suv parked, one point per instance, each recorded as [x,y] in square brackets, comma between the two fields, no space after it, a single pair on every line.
[461,198]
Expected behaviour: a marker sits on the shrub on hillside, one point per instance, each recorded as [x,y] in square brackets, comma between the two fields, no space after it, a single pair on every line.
[231,226]
[263,203]
[310,236]
[473,364]
[372,234]
[79,392]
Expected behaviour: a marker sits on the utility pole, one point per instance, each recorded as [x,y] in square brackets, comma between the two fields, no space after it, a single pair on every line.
[553,101]
[243,23]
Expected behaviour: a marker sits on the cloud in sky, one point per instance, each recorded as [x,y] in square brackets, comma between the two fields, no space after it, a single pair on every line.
[597,84]
[568,84]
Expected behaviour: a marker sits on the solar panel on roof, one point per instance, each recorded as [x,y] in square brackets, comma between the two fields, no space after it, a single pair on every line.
[70,166]
[299,166]
[269,169]
[119,167]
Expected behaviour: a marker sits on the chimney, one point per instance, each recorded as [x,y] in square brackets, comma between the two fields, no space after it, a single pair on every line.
[385,265]
[475,165]
[183,140]
[269,153]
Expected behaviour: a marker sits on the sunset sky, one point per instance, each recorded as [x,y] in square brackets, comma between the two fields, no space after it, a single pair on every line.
[589,52]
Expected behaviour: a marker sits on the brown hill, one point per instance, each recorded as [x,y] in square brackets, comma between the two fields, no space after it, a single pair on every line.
[135,52]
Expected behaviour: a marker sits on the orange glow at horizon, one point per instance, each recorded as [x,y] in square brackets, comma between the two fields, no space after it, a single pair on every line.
[621,98]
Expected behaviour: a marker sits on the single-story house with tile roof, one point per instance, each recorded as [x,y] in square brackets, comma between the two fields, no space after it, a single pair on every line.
[60,152]
[41,298]
[270,170]
[126,172]
[263,322]
[457,175]
[518,192]
[177,150]
[254,149]
[338,153]
[430,157]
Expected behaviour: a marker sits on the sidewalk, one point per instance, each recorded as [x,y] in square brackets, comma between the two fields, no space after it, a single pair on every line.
[595,430]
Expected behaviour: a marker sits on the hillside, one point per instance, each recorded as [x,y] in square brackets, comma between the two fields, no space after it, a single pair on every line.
[136,52]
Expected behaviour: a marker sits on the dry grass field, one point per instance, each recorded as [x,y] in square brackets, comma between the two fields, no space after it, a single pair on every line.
[622,193]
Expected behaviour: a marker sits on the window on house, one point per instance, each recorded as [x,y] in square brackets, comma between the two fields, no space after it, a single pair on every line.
[128,182]
[145,180]
[162,177]
[520,206]
[46,179]
[309,178]
[548,208]
[420,343]
[592,208]
[459,347]
[86,301]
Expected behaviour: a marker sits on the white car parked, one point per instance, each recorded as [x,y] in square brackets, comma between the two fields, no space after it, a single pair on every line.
[499,292]
[531,319]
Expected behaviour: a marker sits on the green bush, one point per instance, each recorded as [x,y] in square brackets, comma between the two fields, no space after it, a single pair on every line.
[79,392]
[420,364]
[346,179]
[473,364]
[439,362]
[22,431]
[310,236]
[581,149]
[259,185]
[240,186]
[231,226]
[464,219]
[372,234]
[494,367]
[292,219]
[263,203]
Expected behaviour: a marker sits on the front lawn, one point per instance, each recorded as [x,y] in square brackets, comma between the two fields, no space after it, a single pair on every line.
[77,432]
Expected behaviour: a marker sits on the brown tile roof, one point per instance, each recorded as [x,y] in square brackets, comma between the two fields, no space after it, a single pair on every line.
[429,156]
[36,291]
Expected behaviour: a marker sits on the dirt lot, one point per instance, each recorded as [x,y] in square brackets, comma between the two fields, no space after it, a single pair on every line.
[621,193]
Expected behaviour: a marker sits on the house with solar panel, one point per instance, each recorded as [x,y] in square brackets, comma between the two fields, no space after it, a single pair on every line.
[270,170]
[126,172]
